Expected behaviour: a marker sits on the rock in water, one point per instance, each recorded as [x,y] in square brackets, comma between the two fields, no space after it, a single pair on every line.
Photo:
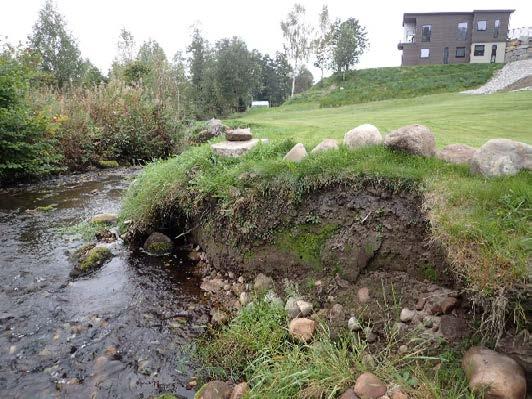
[214,390]
[362,136]
[238,135]
[104,218]
[325,145]
[158,244]
[496,374]
[456,153]
[369,386]
[296,154]
[502,157]
[414,139]
[302,329]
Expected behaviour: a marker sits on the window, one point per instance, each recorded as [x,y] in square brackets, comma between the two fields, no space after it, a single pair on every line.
[460,52]
[462,30]
[425,33]
[481,25]
[496,28]
[479,50]
[425,52]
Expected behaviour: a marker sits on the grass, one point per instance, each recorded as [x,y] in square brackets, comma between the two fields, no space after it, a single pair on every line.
[454,118]
[377,84]
[326,367]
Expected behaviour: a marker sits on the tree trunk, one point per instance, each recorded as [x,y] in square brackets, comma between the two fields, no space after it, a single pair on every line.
[293,85]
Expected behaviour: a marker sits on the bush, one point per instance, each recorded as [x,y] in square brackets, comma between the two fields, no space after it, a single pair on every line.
[26,144]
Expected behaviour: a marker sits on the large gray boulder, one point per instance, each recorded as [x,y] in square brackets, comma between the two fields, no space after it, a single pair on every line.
[456,153]
[296,154]
[494,374]
[502,157]
[363,136]
[325,145]
[414,139]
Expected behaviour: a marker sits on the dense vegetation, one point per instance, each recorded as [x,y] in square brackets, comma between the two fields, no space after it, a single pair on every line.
[377,84]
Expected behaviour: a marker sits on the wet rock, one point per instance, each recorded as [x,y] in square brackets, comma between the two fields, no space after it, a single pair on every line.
[90,259]
[325,145]
[296,154]
[453,327]
[414,139]
[369,386]
[362,136]
[498,375]
[353,324]
[158,244]
[502,157]
[214,390]
[104,218]
[456,153]
[291,308]
[263,282]
[240,390]
[238,135]
[349,394]
[363,295]
[305,308]
[302,329]
[407,315]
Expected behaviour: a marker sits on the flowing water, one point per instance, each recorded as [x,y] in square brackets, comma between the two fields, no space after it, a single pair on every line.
[123,332]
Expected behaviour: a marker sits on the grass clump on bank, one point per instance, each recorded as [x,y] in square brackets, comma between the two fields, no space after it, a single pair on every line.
[256,347]
[376,84]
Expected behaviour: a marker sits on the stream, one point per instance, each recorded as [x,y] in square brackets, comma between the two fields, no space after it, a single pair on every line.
[124,331]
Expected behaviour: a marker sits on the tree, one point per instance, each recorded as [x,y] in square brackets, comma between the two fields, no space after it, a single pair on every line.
[304,80]
[57,48]
[199,58]
[126,47]
[322,42]
[349,42]
[297,36]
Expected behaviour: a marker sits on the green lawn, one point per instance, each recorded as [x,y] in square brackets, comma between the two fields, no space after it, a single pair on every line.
[454,118]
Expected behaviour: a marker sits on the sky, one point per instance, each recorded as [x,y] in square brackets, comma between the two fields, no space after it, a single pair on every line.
[96,24]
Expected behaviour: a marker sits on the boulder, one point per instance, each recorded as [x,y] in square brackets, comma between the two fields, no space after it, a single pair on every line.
[456,153]
[502,157]
[238,135]
[369,386]
[302,329]
[90,258]
[325,145]
[235,148]
[496,374]
[158,244]
[263,282]
[240,390]
[414,139]
[214,390]
[104,218]
[215,127]
[296,154]
[362,136]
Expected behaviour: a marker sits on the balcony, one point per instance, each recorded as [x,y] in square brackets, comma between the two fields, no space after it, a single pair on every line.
[409,34]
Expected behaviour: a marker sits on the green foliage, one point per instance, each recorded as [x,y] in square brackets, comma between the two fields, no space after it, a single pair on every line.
[304,80]
[349,40]
[377,84]
[26,142]
[274,79]
[105,164]
[86,230]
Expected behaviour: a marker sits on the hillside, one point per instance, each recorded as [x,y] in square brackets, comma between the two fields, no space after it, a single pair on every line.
[377,84]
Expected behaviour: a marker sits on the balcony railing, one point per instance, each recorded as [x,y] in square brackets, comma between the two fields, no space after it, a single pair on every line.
[517,33]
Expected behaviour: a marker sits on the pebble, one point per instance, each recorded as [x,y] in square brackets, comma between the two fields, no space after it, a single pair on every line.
[305,308]
[403,349]
[421,303]
[407,315]
[353,324]
[291,308]
[245,298]
[370,335]
[363,295]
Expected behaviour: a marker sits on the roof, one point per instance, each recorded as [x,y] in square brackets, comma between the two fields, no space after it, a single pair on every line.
[408,15]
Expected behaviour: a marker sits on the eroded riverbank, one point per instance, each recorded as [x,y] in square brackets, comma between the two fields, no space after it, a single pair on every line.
[121,332]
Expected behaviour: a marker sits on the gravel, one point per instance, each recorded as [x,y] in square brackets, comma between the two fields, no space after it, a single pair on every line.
[509,74]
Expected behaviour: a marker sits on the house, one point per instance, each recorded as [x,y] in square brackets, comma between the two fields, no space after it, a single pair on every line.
[455,37]
[260,104]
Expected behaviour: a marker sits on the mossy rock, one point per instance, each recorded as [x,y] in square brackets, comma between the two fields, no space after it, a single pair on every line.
[90,258]
[158,244]
[104,218]
[106,164]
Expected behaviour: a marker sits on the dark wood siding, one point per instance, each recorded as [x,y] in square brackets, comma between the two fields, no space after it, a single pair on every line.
[487,36]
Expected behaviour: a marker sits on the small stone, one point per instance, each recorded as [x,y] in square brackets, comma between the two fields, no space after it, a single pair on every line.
[370,335]
[407,315]
[305,308]
[427,321]
[263,282]
[369,386]
[213,285]
[398,394]
[435,309]
[420,304]
[325,145]
[192,384]
[403,349]
[227,287]
[291,308]
[241,280]
[353,324]
[349,394]
[453,327]
[448,304]
[215,390]
[369,361]
[302,329]
[240,390]
[231,275]
[272,298]
[296,154]
[363,295]
[337,313]
[104,218]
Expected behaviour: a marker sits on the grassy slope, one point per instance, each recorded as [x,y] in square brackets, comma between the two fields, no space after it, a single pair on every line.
[454,118]
[376,84]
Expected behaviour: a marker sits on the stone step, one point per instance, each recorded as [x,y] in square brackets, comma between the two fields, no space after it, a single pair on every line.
[235,148]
